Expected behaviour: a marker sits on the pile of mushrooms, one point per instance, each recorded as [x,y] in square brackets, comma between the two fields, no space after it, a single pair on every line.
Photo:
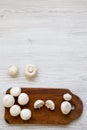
[15,109]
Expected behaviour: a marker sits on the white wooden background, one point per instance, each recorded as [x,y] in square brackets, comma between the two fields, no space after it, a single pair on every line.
[52,34]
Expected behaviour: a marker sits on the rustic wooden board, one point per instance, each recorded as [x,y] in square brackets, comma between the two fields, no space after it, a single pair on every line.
[44,115]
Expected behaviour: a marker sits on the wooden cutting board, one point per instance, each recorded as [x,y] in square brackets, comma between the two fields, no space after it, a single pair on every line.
[44,115]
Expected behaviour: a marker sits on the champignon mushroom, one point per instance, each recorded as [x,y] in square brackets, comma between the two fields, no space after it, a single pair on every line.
[50,104]
[65,107]
[15,110]
[67,97]
[38,103]
[8,100]
[15,91]
[23,99]
[30,71]
[25,114]
[13,71]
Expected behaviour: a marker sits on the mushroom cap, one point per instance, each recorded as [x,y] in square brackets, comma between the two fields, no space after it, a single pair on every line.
[15,110]
[8,100]
[50,104]
[67,97]
[13,70]
[38,103]
[30,71]
[65,107]
[23,99]
[25,114]
[15,91]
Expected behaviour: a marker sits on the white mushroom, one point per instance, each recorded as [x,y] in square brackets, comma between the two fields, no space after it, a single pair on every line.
[30,71]
[67,97]
[65,107]
[25,114]
[38,104]
[15,110]
[15,91]
[50,104]
[8,100]
[13,71]
[23,99]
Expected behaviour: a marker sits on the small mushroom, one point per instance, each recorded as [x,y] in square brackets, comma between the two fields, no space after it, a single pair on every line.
[50,104]
[15,91]
[15,110]
[25,114]
[67,97]
[38,104]
[30,71]
[23,99]
[65,107]
[8,100]
[13,71]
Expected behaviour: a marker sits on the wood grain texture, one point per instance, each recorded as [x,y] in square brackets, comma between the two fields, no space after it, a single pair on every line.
[44,115]
[52,34]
